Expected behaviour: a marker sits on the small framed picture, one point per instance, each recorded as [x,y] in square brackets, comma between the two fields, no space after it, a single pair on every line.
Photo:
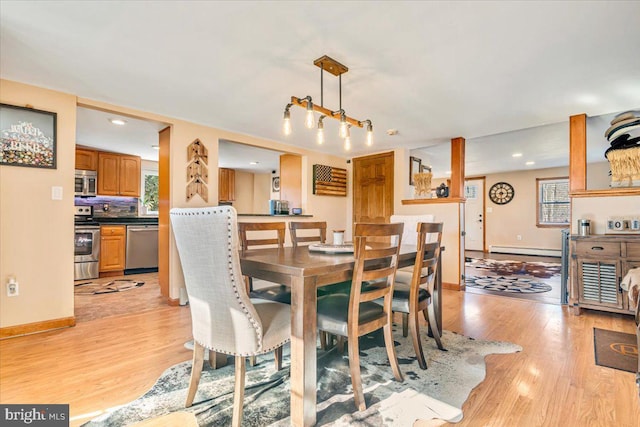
[414,167]
[27,137]
[425,168]
[275,184]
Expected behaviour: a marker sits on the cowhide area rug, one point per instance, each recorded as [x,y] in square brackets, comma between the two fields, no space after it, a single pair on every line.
[437,392]
[517,277]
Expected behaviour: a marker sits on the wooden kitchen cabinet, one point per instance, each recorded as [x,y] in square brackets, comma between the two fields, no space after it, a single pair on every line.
[112,248]
[86,159]
[226,185]
[118,175]
[598,264]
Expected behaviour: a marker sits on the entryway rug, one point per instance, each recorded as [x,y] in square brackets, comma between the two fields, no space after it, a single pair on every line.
[437,392]
[119,285]
[617,350]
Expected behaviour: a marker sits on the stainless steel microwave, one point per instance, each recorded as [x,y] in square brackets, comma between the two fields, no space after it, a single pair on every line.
[86,183]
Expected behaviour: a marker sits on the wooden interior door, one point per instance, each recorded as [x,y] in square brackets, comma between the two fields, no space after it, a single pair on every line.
[373,188]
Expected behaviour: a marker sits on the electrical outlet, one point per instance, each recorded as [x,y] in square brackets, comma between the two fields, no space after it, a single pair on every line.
[518,237]
[12,288]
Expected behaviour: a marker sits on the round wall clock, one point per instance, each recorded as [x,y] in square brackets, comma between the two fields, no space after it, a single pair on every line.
[501,193]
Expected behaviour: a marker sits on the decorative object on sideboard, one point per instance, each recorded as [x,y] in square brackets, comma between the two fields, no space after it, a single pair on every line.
[442,191]
[624,153]
[27,137]
[422,182]
[329,181]
[414,168]
[197,173]
[337,69]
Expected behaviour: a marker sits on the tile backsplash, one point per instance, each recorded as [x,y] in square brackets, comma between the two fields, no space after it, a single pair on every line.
[110,207]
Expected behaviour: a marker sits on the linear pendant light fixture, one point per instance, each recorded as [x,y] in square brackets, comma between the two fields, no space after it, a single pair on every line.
[337,69]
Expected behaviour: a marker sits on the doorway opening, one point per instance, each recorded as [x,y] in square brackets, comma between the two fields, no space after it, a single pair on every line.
[124,151]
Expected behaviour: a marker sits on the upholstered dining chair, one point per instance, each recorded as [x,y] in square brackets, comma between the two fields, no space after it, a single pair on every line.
[224,318]
[415,295]
[357,314]
[280,293]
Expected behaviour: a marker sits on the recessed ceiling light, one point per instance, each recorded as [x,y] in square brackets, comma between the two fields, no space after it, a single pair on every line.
[118,122]
[529,163]
[253,163]
[516,155]
[155,147]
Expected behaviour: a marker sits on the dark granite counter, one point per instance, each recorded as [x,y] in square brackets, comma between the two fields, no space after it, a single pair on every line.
[127,220]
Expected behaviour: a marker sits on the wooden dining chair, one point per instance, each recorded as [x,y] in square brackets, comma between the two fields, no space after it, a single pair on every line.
[297,238]
[252,235]
[410,297]
[224,319]
[357,314]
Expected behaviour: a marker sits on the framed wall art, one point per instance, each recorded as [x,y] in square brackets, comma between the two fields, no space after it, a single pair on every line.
[275,184]
[414,167]
[27,137]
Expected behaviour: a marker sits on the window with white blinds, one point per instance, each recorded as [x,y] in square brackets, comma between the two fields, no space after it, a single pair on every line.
[553,202]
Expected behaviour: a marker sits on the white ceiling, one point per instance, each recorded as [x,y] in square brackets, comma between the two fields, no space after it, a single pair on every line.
[431,70]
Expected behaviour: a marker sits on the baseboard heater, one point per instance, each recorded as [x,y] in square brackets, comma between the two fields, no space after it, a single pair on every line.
[519,250]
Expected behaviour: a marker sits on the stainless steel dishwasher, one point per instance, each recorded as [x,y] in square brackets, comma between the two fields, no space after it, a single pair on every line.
[142,248]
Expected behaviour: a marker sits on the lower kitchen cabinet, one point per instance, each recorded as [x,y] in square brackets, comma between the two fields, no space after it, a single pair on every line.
[112,248]
[598,264]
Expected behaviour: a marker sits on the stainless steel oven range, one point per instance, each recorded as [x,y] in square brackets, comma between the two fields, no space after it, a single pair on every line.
[86,244]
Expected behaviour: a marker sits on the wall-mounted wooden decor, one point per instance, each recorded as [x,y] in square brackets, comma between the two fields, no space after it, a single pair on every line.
[197,172]
[329,181]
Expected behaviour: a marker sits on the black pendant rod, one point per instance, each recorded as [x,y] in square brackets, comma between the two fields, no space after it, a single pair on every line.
[321,86]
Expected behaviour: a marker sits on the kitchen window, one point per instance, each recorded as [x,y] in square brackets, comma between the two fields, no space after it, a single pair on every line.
[553,202]
[150,191]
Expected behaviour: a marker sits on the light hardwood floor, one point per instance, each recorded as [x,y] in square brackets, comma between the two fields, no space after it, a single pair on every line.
[554,382]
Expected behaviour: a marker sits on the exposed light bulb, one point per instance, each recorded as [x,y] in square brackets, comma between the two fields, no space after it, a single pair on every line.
[347,143]
[286,124]
[347,139]
[369,134]
[320,135]
[308,122]
[343,125]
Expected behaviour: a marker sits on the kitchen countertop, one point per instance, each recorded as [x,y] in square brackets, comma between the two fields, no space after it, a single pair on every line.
[283,215]
[127,220]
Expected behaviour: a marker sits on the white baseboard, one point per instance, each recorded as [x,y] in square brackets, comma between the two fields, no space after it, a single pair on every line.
[519,250]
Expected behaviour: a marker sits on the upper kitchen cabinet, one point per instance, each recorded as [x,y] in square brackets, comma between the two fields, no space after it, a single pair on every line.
[86,159]
[118,175]
[226,185]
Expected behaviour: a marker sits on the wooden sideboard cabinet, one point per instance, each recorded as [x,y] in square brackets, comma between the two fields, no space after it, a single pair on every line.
[118,175]
[598,264]
[112,247]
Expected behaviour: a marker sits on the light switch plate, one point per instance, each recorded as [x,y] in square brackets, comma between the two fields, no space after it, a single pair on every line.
[56,193]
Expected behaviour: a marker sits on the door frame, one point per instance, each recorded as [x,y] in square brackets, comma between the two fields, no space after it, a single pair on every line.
[484,211]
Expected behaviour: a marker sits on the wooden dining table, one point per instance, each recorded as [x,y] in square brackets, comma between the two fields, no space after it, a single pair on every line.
[305,271]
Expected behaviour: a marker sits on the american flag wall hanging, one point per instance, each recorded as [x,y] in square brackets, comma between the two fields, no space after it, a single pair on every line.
[329,181]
